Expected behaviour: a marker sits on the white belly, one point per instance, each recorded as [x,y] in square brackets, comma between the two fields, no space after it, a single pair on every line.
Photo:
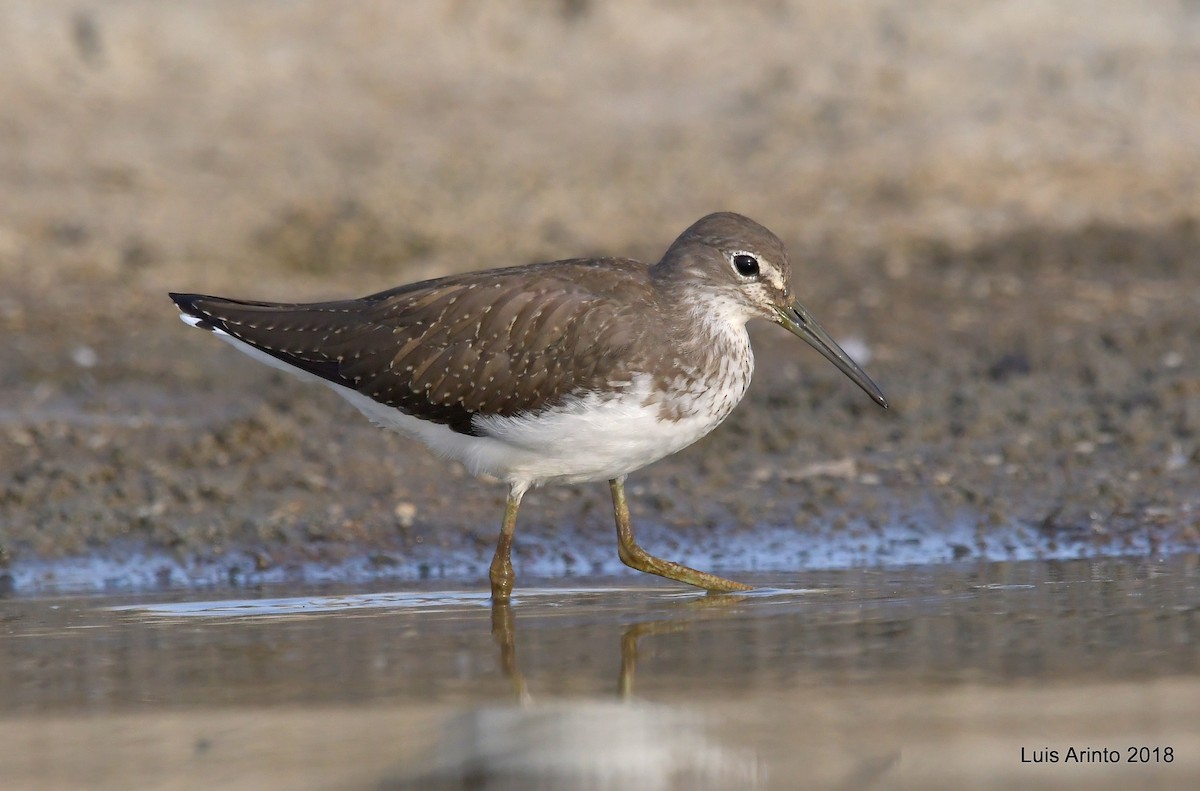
[590,438]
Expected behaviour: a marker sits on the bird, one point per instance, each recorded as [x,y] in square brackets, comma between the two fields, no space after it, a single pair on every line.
[565,372]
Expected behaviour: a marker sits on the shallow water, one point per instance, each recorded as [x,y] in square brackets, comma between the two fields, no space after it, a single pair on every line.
[914,677]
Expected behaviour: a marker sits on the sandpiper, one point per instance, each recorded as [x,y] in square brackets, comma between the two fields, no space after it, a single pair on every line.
[563,372]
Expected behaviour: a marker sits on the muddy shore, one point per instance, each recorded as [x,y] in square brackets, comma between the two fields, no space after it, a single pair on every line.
[998,208]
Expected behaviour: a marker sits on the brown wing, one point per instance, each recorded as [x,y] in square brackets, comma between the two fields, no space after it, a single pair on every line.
[495,343]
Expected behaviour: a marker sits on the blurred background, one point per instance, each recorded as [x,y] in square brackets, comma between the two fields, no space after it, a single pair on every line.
[993,204]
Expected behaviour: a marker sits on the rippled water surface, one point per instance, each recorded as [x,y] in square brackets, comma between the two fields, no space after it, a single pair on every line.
[918,677]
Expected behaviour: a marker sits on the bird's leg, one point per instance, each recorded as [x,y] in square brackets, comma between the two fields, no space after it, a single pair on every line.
[501,572]
[635,557]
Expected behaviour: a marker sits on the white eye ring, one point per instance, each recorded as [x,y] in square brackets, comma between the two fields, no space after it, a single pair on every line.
[745,263]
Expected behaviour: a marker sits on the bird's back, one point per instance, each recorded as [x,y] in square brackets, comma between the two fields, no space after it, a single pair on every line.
[503,342]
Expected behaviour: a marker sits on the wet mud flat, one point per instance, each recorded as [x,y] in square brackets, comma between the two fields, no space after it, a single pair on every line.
[1055,415]
[1021,278]
[921,677]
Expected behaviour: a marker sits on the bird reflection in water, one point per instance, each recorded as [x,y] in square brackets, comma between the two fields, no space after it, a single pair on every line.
[616,743]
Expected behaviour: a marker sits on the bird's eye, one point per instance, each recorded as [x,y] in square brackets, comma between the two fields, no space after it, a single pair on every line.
[745,264]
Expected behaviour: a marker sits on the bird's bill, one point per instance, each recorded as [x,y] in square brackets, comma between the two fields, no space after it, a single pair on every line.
[797,320]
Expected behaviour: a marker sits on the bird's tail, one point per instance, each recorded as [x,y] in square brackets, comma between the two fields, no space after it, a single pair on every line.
[314,338]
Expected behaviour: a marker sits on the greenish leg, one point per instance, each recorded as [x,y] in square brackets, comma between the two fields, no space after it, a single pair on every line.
[635,557]
[501,572]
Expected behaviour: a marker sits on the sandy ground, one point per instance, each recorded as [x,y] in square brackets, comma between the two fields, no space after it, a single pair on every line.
[999,203]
